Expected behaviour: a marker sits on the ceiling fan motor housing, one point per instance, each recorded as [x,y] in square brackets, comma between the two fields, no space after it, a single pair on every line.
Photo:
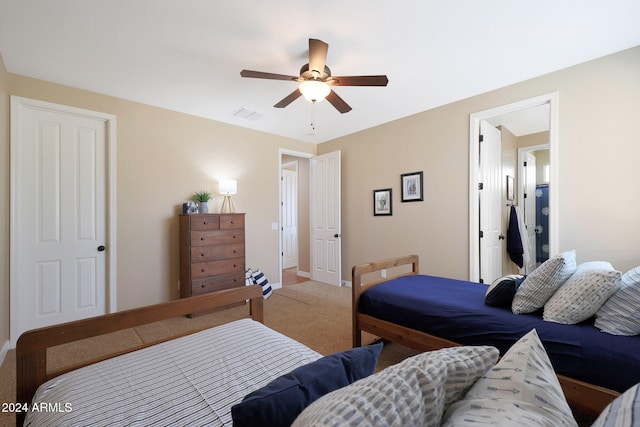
[307,74]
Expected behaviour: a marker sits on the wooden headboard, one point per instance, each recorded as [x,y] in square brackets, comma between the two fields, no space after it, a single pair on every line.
[31,348]
[358,286]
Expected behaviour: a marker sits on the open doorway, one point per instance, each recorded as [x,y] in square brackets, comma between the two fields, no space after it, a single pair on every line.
[541,113]
[295,259]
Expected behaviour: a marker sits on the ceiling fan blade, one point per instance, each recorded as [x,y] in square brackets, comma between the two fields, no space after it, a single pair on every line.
[270,76]
[338,102]
[289,99]
[358,80]
[317,56]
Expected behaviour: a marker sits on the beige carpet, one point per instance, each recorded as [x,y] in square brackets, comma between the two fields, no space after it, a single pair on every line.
[316,314]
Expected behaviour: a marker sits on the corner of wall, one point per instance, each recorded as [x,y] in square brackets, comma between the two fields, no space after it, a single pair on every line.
[4,201]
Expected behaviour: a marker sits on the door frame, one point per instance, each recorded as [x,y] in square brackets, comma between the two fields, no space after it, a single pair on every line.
[474,172]
[18,104]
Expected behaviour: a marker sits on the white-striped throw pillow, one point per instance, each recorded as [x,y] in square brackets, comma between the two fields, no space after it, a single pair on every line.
[542,283]
[620,314]
[415,392]
[520,390]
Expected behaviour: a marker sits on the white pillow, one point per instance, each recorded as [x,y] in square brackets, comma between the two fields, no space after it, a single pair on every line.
[520,390]
[542,283]
[594,265]
[415,392]
[581,296]
[620,314]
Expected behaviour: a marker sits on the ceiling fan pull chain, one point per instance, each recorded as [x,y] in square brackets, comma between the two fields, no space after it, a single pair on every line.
[313,126]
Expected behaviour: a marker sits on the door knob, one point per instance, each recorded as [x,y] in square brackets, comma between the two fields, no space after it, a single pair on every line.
[101,248]
[501,237]
[337,235]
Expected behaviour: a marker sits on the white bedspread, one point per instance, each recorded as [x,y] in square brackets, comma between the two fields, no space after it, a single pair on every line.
[193,380]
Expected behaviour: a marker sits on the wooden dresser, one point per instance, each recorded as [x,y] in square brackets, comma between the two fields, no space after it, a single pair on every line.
[211,253]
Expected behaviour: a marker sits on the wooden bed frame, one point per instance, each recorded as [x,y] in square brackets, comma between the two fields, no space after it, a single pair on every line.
[31,348]
[583,396]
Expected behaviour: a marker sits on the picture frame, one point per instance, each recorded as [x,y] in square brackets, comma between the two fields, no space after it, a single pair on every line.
[412,187]
[510,188]
[382,202]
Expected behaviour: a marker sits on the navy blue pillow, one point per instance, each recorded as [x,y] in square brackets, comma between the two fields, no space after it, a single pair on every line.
[283,399]
[502,290]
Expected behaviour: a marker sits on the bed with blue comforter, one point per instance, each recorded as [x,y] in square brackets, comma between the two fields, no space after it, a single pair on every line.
[428,312]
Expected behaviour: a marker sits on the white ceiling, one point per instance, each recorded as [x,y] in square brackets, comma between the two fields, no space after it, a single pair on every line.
[186,55]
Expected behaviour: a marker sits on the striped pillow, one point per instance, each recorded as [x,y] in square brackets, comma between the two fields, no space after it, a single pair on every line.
[620,314]
[260,279]
[622,412]
[542,283]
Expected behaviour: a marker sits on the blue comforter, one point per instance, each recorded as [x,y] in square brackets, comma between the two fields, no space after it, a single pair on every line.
[455,310]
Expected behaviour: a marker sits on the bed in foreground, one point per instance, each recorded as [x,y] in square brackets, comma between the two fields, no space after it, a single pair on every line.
[192,379]
[427,313]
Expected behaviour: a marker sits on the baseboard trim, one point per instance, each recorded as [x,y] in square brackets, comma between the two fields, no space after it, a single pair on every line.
[303,274]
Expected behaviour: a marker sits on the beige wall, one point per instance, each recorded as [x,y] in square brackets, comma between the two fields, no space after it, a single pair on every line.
[4,201]
[162,158]
[599,196]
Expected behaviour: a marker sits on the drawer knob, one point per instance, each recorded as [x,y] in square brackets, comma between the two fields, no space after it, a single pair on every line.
[202,270]
[202,238]
[235,252]
[235,265]
[232,222]
[234,236]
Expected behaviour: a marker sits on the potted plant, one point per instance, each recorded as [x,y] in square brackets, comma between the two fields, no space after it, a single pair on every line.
[202,197]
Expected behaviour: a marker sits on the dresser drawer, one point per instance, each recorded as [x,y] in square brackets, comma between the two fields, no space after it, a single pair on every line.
[216,237]
[213,268]
[231,221]
[218,283]
[204,222]
[218,252]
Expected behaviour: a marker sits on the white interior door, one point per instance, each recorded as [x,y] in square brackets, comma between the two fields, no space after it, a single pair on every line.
[59,216]
[491,247]
[326,248]
[289,217]
[529,197]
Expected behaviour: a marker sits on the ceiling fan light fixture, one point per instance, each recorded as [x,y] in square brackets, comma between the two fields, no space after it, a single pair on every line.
[314,90]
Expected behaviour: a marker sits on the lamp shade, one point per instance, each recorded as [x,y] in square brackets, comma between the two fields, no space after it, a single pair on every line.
[314,90]
[229,186]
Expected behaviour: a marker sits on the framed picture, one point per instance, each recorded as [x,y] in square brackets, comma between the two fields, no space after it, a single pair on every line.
[510,189]
[382,202]
[412,190]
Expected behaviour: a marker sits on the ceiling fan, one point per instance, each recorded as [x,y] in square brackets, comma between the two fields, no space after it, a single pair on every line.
[316,80]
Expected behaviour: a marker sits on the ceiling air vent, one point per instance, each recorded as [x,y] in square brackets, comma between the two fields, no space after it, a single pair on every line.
[244,113]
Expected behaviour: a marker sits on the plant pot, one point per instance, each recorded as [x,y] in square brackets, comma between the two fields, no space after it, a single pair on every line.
[204,207]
